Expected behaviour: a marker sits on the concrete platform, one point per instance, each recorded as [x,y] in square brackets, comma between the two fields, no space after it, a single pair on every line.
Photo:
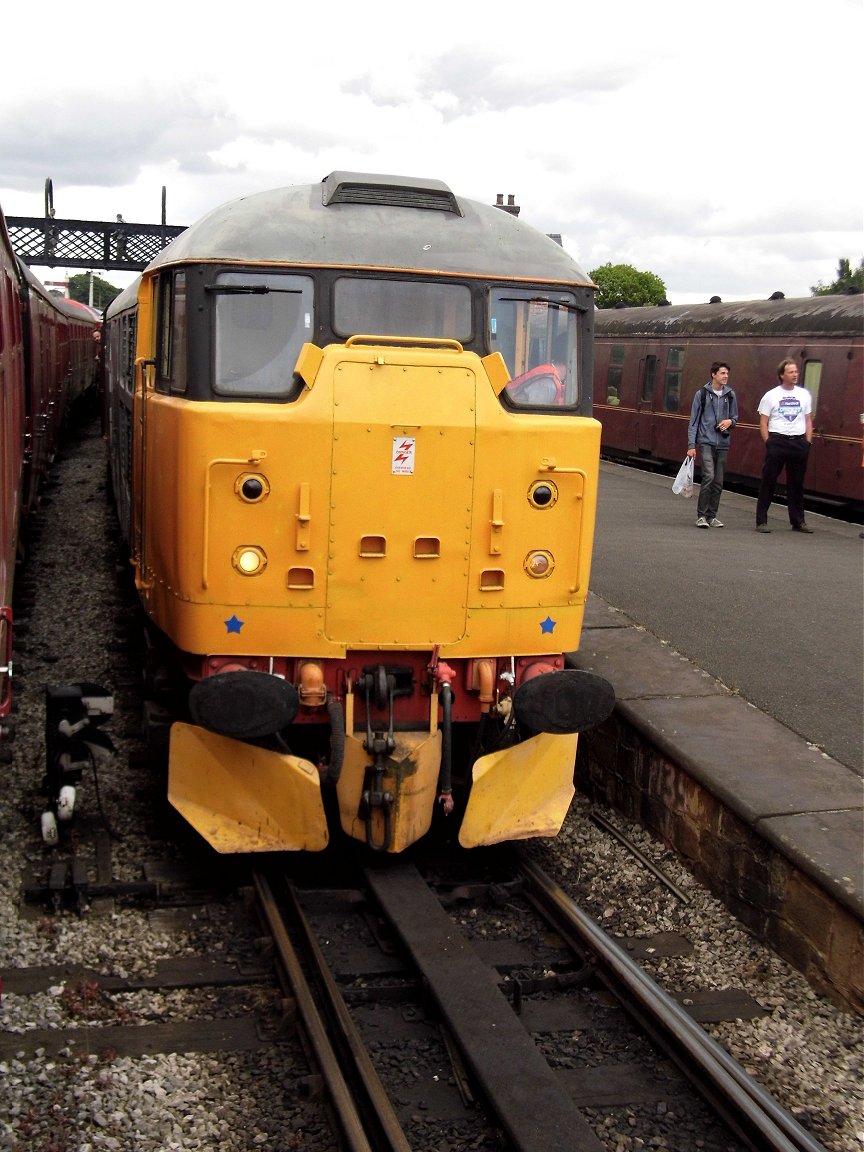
[774,826]
[760,810]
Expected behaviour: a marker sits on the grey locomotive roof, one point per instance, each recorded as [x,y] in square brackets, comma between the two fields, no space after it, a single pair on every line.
[128,298]
[806,316]
[353,220]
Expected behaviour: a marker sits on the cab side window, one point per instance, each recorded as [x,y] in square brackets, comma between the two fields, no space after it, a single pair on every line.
[171,333]
[537,335]
[260,324]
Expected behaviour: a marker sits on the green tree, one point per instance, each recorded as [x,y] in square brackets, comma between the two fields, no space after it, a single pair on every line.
[103,292]
[622,284]
[847,280]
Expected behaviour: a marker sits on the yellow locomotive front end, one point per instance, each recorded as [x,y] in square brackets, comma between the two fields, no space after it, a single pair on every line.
[370,552]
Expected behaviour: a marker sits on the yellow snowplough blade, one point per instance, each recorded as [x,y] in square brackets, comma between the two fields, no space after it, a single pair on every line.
[241,798]
[521,791]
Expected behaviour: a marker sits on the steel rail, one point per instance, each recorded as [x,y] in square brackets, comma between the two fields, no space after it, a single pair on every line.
[609,827]
[316,1033]
[751,1112]
[380,1103]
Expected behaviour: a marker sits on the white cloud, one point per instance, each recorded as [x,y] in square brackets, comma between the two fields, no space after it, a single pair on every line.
[713,146]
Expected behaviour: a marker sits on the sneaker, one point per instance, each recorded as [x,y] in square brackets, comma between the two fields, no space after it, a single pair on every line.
[762,528]
[802,527]
[715,523]
[701,522]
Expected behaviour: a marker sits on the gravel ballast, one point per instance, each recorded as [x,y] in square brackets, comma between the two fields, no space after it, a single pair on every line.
[76,624]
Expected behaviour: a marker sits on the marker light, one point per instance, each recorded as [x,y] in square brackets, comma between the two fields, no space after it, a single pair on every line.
[252,487]
[539,564]
[543,494]
[249,560]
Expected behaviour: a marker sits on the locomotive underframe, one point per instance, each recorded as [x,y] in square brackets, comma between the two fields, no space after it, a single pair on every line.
[492,781]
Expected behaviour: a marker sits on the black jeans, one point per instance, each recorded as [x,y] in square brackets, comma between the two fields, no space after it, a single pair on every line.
[790,452]
[712,462]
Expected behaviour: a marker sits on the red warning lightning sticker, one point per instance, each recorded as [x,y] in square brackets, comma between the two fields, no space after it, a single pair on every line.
[403,455]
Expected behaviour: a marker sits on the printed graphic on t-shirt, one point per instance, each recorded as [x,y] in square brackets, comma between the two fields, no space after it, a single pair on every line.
[790,408]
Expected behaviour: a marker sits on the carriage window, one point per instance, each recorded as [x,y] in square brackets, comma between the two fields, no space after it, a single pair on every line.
[261,323]
[613,375]
[537,334]
[672,385]
[812,380]
[650,375]
[401,308]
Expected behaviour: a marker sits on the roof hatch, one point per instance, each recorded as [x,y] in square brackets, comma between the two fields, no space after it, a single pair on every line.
[394,191]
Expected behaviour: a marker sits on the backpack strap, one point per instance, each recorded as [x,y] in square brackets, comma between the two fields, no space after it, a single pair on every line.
[701,407]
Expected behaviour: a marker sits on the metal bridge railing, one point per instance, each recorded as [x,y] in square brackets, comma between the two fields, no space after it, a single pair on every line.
[54,243]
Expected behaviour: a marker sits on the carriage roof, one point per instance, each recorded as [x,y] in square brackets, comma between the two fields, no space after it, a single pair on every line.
[806,316]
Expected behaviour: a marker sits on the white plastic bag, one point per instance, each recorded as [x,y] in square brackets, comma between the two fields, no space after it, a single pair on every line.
[683,483]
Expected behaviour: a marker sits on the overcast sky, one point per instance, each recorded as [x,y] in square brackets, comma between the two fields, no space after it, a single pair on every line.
[716,145]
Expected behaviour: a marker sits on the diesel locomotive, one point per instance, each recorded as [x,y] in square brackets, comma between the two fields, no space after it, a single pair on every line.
[650,362]
[353,455]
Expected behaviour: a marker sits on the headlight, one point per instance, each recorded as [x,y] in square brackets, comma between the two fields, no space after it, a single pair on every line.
[249,560]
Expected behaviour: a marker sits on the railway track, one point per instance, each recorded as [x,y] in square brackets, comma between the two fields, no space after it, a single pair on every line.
[750,1111]
[421,1027]
[476,1005]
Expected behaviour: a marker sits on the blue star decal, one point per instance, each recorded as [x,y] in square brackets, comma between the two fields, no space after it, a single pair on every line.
[548,625]
[234,625]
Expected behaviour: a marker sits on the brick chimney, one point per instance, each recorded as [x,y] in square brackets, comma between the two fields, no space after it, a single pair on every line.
[511,206]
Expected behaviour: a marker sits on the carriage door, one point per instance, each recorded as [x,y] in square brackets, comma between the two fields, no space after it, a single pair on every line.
[645,405]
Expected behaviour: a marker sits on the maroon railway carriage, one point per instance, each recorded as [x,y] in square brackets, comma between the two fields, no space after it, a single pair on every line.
[48,358]
[60,366]
[11,449]
[83,344]
[650,362]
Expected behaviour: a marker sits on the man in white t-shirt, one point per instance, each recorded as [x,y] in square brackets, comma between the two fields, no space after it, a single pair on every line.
[786,427]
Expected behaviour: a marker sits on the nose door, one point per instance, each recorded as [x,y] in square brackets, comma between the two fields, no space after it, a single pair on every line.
[402,493]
